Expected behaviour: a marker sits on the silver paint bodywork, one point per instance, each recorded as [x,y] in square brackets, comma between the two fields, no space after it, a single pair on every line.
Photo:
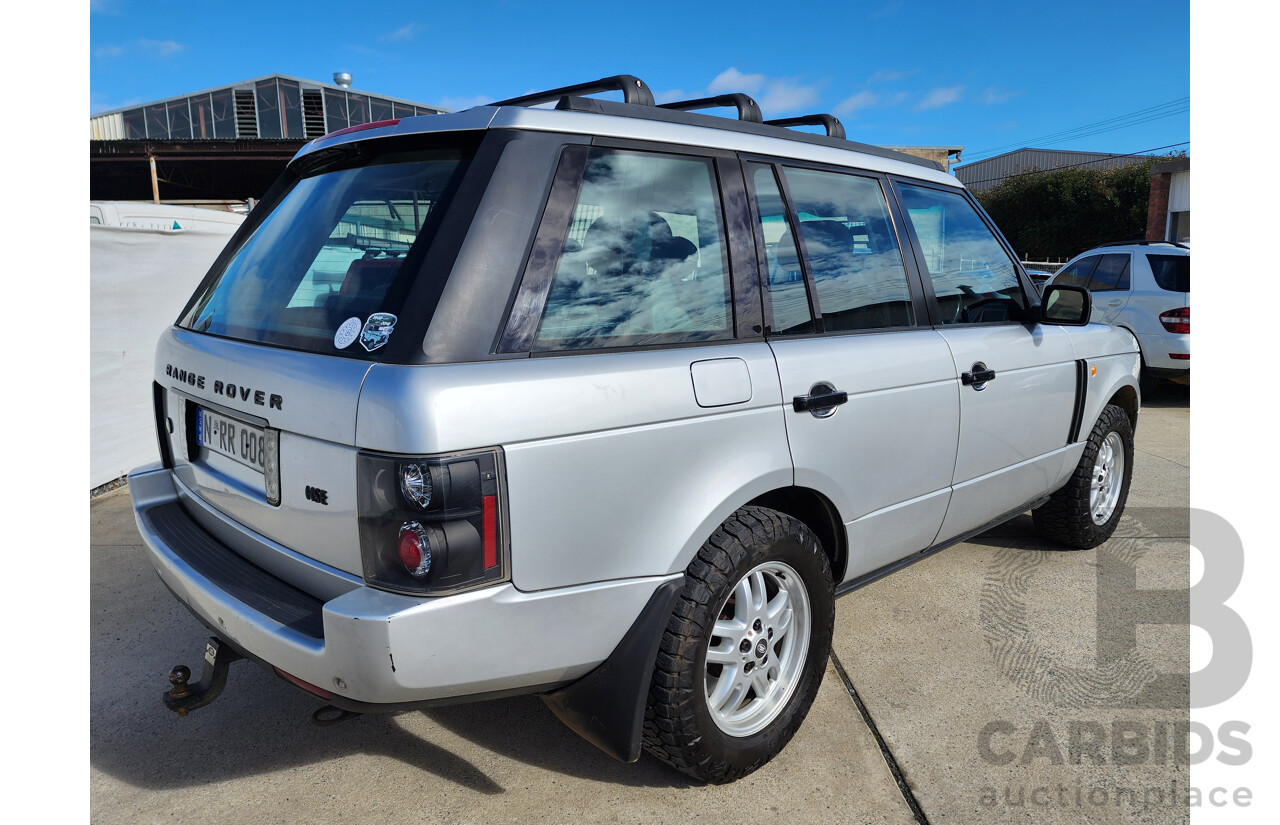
[619,465]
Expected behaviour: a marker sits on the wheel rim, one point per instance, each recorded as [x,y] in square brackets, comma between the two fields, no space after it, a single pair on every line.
[1108,477]
[757,649]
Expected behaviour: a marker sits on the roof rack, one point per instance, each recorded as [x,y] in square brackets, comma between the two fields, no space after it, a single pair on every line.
[638,103]
[1144,243]
[831,123]
[747,108]
[633,91]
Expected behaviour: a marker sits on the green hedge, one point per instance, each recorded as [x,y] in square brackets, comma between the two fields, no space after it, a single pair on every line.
[1062,213]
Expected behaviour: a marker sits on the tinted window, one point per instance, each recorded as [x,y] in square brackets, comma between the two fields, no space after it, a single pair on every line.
[1112,274]
[331,250]
[1078,273]
[1173,272]
[974,279]
[644,260]
[788,295]
[851,251]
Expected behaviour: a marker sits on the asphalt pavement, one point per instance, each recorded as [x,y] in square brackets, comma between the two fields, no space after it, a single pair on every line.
[1001,680]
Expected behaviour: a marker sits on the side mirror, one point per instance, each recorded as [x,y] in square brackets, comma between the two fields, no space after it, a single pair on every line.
[1067,306]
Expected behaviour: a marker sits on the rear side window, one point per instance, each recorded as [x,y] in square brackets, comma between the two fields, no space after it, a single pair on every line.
[644,261]
[851,251]
[333,249]
[974,279]
[1173,272]
[1112,274]
[1078,273]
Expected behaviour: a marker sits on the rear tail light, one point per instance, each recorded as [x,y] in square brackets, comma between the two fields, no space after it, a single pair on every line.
[431,525]
[1177,320]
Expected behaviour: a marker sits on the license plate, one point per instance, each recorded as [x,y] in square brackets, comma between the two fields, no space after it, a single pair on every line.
[231,437]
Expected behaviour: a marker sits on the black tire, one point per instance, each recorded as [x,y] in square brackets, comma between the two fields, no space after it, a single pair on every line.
[678,726]
[1066,517]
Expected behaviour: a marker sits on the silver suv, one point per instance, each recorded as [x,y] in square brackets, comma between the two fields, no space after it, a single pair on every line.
[607,403]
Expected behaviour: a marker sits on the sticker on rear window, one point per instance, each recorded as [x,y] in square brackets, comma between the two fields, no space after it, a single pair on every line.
[347,333]
[377,330]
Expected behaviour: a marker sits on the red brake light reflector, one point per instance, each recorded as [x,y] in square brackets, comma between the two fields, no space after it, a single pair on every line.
[1177,320]
[1180,356]
[307,686]
[490,532]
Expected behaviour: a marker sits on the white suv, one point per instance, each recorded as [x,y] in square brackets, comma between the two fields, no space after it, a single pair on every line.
[1144,287]
[607,403]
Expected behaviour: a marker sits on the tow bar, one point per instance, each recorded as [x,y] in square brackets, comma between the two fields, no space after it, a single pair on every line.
[183,698]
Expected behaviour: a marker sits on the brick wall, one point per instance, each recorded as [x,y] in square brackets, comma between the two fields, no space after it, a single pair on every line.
[1158,206]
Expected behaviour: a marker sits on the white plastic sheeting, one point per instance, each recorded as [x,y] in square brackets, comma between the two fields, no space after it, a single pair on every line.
[139,280]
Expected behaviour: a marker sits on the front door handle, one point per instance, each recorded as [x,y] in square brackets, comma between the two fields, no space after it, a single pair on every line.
[822,398]
[978,376]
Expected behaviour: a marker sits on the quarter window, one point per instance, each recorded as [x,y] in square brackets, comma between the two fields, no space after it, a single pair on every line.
[788,297]
[644,259]
[974,279]
[1112,274]
[852,251]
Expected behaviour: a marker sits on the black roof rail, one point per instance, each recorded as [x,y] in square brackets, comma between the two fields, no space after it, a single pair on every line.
[633,91]
[831,123]
[598,106]
[747,108]
[1143,243]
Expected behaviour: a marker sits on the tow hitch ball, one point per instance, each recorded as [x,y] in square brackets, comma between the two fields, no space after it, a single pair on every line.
[183,698]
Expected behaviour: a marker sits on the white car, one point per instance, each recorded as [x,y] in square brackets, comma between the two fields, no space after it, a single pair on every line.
[1144,287]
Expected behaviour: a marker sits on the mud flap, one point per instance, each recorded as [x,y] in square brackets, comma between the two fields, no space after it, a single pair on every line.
[606,707]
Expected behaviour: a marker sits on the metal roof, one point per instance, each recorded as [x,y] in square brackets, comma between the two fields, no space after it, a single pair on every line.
[253,81]
[987,174]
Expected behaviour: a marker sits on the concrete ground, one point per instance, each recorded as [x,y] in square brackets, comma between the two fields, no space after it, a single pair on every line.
[1001,684]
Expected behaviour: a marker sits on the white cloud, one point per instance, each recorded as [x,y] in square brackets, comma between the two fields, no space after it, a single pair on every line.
[939,97]
[994,94]
[861,100]
[670,96]
[163,48]
[108,51]
[403,34]
[732,80]
[782,96]
[460,103]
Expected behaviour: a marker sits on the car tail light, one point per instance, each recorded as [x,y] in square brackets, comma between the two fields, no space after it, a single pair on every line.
[431,525]
[1177,320]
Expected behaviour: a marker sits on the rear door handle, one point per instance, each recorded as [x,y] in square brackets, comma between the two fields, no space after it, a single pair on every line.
[822,396]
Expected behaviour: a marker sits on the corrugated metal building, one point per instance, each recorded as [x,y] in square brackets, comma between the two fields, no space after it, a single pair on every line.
[987,174]
[223,144]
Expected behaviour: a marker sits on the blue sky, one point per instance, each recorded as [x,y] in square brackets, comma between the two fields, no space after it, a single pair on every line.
[988,77]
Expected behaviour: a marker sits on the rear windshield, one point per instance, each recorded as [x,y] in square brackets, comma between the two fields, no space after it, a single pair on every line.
[1173,272]
[328,270]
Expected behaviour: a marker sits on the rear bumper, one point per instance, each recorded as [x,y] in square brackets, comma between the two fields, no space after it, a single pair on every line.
[1160,354]
[370,647]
